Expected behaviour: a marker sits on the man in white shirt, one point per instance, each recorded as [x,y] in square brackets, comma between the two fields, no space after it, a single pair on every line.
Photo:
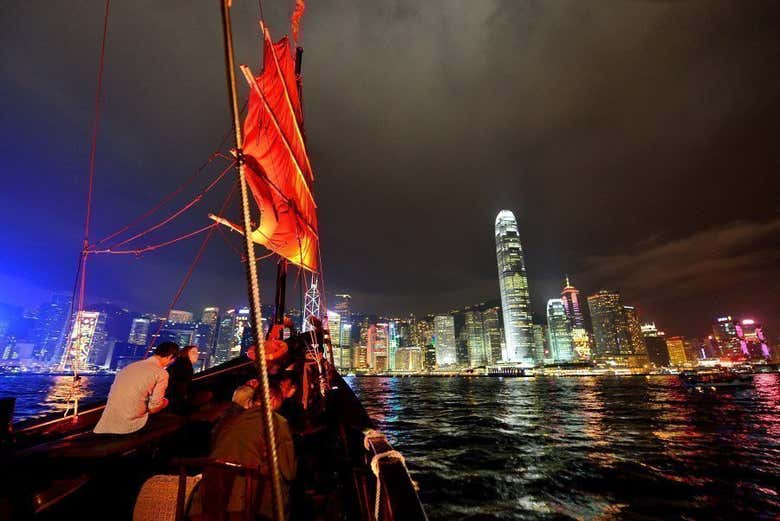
[138,391]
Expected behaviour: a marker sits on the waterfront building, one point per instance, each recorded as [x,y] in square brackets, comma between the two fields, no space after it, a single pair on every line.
[657,351]
[475,338]
[616,330]
[541,346]
[570,297]
[87,334]
[226,337]
[581,343]
[139,331]
[343,355]
[752,341]
[210,316]
[724,332]
[179,316]
[558,333]
[360,357]
[409,359]
[513,282]
[491,327]
[392,343]
[343,305]
[677,352]
[444,340]
[49,331]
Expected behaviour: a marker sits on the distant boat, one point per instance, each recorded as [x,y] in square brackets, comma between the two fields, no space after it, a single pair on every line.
[715,378]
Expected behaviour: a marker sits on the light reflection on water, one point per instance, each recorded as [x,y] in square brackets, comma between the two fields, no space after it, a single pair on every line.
[583,448]
[40,394]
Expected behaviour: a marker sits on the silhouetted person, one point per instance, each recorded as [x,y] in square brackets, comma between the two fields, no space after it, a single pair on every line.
[180,381]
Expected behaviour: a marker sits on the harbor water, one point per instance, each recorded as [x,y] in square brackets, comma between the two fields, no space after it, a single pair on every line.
[557,448]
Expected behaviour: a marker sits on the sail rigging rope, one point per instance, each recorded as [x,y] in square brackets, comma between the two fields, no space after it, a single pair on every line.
[177,213]
[191,269]
[153,247]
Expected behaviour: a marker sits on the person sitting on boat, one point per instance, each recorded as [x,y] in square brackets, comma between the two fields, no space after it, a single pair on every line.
[180,374]
[241,439]
[138,391]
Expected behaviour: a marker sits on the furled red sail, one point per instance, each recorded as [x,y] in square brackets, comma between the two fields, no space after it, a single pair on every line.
[279,174]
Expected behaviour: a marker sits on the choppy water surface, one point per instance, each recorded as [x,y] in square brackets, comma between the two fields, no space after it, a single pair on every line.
[40,394]
[583,448]
[556,448]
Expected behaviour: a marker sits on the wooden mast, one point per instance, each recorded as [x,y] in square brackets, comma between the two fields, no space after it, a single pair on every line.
[251,264]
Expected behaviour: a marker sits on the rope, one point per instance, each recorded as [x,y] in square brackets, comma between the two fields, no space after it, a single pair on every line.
[81,272]
[180,211]
[153,247]
[191,269]
[394,454]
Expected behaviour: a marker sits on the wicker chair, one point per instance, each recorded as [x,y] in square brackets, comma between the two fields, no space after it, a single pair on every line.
[169,497]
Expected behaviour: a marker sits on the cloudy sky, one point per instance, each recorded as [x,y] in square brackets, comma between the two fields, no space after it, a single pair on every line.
[635,141]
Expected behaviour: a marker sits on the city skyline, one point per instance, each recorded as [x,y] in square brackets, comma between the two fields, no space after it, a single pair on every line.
[585,161]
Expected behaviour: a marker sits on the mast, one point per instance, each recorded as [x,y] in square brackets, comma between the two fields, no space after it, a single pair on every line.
[251,264]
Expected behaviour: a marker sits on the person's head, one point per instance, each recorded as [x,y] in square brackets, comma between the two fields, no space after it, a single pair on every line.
[190,352]
[275,396]
[243,396]
[166,352]
[287,387]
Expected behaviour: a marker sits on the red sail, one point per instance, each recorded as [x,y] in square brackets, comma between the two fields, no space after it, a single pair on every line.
[279,174]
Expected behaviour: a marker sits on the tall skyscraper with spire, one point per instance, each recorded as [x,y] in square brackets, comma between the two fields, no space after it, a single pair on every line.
[570,296]
[513,281]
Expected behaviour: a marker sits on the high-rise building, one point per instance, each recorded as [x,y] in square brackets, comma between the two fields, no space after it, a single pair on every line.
[409,359]
[655,340]
[570,296]
[475,338]
[444,340]
[178,316]
[226,337]
[492,329]
[87,332]
[139,331]
[558,331]
[752,341]
[515,298]
[616,329]
[334,328]
[210,316]
[724,332]
[542,352]
[49,331]
[675,346]
[392,343]
[343,306]
[636,338]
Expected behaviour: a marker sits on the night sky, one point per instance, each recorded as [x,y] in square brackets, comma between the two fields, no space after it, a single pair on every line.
[636,142]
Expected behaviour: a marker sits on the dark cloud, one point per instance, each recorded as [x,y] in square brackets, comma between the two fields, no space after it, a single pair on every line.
[599,126]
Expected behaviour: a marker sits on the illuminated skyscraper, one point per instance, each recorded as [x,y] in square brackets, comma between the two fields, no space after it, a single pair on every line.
[179,316]
[475,338]
[343,305]
[542,353]
[677,352]
[226,337]
[492,330]
[725,335]
[513,281]
[49,332]
[210,316]
[655,340]
[139,331]
[558,331]
[570,296]
[87,332]
[617,332]
[752,341]
[444,340]
[392,343]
